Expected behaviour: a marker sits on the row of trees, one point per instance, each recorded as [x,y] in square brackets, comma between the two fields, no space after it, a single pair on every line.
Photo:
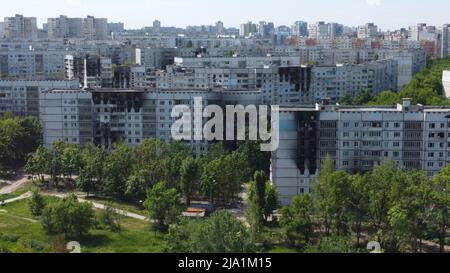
[396,207]
[127,173]
[19,136]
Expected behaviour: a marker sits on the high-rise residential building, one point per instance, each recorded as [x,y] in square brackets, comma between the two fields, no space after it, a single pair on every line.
[95,28]
[368,31]
[322,30]
[445,39]
[91,71]
[89,28]
[58,27]
[428,37]
[107,116]
[300,29]
[115,27]
[414,31]
[357,139]
[2,30]
[220,27]
[75,27]
[156,26]
[21,97]
[21,28]
[265,29]
[248,29]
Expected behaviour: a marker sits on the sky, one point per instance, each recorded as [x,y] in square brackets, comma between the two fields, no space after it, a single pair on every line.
[387,14]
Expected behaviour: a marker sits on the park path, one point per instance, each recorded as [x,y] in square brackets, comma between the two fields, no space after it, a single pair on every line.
[18,198]
[101,206]
[14,185]
[94,204]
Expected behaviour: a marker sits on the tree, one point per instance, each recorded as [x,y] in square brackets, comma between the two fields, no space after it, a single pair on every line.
[90,179]
[260,189]
[189,175]
[321,193]
[69,217]
[71,160]
[11,132]
[211,179]
[386,98]
[361,98]
[297,220]
[111,218]
[179,239]
[117,169]
[222,233]
[440,216]
[33,136]
[163,205]
[138,183]
[358,205]
[385,184]
[39,163]
[333,244]
[257,201]
[36,203]
[271,202]
[256,159]
[55,165]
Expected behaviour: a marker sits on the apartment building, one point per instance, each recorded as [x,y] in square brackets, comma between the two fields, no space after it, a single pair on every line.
[106,116]
[445,39]
[32,64]
[89,28]
[300,29]
[368,31]
[248,29]
[2,30]
[21,97]
[279,83]
[358,139]
[92,71]
[20,28]
[322,30]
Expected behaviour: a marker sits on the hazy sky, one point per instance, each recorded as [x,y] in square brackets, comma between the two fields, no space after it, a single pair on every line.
[388,14]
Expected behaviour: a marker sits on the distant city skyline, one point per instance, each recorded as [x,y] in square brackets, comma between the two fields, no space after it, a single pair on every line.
[135,14]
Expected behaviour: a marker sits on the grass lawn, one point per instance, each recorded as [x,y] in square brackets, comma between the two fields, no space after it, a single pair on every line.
[6,196]
[19,227]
